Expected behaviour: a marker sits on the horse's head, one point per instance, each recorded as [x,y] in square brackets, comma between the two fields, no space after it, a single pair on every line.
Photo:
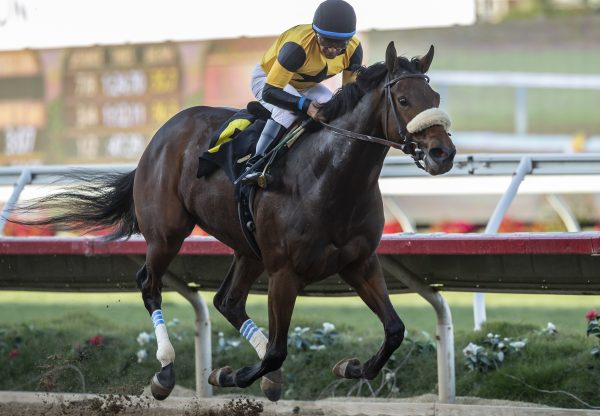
[411,115]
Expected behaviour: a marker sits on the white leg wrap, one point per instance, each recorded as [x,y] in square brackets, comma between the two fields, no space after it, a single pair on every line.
[255,336]
[165,352]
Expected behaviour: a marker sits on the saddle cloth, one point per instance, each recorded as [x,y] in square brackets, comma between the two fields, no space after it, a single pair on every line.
[234,142]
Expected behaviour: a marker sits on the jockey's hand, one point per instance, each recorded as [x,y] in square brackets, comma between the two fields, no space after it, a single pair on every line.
[313,111]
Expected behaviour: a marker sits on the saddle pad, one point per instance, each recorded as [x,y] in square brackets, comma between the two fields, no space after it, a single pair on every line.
[231,145]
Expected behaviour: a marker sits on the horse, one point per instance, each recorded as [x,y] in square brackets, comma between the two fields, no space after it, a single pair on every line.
[322,213]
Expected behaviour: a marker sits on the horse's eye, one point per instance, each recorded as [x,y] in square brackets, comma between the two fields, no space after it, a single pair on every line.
[403,101]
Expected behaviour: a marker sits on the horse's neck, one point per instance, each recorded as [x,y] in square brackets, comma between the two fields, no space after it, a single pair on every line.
[356,157]
[364,117]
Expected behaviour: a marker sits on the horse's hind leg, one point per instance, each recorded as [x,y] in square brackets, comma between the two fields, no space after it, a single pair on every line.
[230,300]
[367,279]
[149,280]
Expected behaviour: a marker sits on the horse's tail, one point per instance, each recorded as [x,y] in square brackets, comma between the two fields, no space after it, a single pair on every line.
[97,201]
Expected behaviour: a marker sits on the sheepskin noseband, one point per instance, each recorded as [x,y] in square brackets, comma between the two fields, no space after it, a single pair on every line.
[428,118]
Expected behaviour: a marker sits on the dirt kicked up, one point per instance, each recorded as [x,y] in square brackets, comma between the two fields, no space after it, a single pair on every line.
[55,404]
[112,405]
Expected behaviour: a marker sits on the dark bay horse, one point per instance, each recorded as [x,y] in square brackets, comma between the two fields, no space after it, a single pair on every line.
[321,215]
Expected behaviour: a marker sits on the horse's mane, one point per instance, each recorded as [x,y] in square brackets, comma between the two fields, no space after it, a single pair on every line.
[368,78]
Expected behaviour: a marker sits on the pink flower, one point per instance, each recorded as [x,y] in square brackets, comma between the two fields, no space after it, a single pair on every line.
[14,353]
[591,315]
[96,340]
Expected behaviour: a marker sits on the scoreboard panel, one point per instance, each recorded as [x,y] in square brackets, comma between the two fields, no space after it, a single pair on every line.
[22,108]
[116,97]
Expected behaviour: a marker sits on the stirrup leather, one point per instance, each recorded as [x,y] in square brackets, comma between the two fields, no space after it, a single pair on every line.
[260,176]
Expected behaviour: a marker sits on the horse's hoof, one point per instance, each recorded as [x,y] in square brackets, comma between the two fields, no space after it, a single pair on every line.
[271,385]
[348,368]
[222,377]
[163,382]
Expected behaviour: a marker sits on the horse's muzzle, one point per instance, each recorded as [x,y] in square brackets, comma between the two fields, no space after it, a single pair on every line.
[440,158]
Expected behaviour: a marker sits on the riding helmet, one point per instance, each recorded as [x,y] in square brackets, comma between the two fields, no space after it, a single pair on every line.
[335,19]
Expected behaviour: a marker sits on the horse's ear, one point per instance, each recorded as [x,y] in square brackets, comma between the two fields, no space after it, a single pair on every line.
[390,57]
[425,61]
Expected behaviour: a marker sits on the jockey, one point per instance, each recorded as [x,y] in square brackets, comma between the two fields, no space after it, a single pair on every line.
[287,80]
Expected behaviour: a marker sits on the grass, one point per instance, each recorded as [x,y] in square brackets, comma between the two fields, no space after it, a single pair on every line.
[52,331]
[111,308]
[542,365]
[564,60]
[549,111]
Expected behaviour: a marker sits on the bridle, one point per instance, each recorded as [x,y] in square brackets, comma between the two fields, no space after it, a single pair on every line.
[406,143]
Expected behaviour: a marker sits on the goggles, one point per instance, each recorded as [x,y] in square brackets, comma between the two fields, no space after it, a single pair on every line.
[339,45]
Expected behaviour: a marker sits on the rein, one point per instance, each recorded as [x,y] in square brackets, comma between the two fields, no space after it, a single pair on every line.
[407,145]
[363,137]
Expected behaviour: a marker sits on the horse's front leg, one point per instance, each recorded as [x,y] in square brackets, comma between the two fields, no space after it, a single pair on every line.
[149,280]
[230,300]
[368,281]
[283,290]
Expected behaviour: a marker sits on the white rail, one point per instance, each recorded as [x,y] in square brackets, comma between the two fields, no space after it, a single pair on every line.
[393,167]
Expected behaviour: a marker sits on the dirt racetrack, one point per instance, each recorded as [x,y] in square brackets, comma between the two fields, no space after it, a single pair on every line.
[54,404]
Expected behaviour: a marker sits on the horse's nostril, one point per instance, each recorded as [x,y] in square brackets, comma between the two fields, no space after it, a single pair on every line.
[438,153]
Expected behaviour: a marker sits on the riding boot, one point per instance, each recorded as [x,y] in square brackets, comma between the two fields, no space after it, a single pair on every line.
[271,131]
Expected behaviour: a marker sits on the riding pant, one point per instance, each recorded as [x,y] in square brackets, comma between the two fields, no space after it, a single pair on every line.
[319,93]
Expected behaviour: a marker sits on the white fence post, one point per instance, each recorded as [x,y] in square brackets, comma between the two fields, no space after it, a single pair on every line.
[525,167]
[24,179]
